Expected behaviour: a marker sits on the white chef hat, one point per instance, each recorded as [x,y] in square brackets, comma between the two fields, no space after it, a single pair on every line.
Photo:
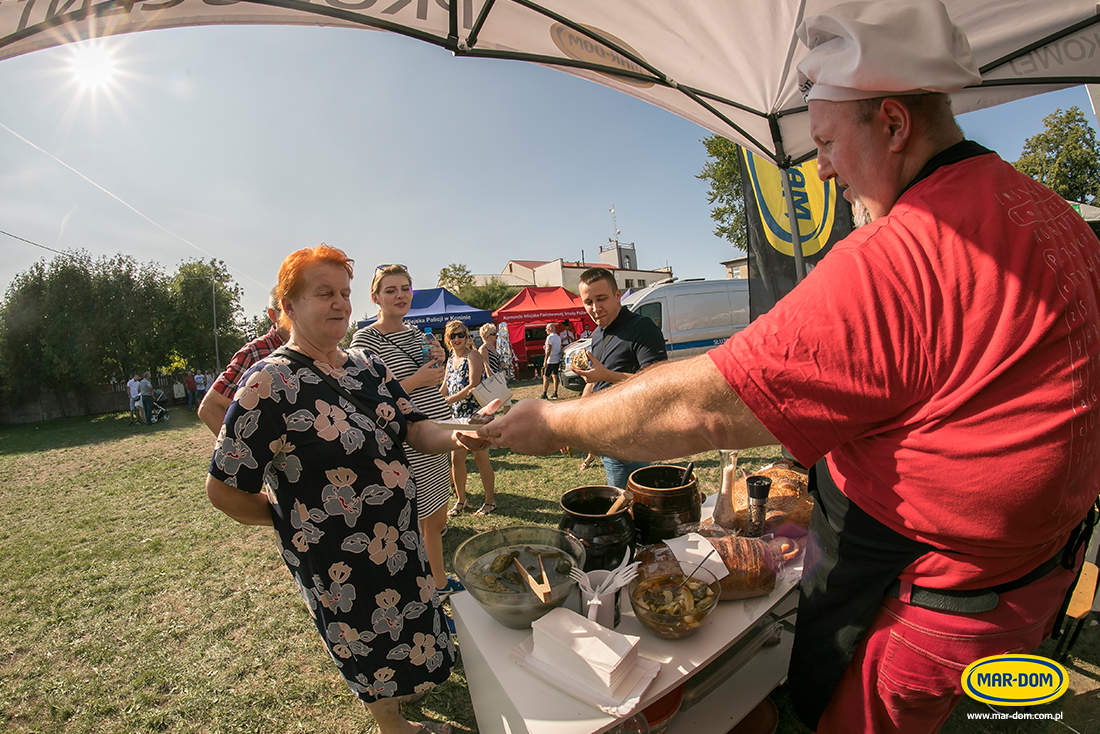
[863,50]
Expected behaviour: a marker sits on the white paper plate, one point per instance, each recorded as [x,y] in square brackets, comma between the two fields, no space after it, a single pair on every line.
[458,424]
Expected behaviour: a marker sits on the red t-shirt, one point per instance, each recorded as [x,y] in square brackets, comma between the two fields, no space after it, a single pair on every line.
[945,360]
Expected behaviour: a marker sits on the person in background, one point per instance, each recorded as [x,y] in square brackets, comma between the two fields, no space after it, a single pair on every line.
[565,331]
[134,391]
[933,369]
[488,350]
[464,370]
[200,387]
[399,345]
[297,455]
[145,389]
[622,344]
[551,361]
[192,390]
[220,395]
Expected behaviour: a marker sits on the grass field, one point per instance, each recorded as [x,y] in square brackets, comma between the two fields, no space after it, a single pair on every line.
[131,605]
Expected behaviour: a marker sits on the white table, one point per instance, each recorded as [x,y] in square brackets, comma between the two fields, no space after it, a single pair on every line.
[508,699]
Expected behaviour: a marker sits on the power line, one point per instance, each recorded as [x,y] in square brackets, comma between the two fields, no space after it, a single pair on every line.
[24,239]
[120,201]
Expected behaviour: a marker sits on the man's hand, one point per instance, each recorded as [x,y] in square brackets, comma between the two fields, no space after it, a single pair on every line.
[596,372]
[524,429]
[474,441]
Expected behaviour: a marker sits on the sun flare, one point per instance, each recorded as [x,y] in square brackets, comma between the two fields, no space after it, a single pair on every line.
[93,66]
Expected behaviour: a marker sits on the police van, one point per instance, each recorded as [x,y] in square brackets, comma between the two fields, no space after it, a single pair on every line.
[694,315]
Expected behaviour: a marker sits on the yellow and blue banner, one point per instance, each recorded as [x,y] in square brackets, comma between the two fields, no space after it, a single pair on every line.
[821,214]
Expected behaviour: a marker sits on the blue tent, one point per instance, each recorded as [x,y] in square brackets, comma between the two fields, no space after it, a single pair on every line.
[434,307]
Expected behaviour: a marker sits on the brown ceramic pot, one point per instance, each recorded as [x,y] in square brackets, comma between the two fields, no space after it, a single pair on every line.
[662,502]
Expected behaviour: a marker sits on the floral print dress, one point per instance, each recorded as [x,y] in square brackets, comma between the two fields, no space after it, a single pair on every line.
[457,379]
[344,515]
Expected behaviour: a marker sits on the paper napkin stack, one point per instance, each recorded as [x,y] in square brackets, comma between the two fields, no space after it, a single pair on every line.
[586,651]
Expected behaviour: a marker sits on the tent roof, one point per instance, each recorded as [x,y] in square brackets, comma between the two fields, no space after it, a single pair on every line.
[435,307]
[535,304]
[728,65]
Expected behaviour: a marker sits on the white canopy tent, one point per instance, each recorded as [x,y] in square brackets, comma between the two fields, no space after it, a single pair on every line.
[728,65]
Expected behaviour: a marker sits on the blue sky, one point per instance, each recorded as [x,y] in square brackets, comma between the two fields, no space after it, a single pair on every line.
[246,143]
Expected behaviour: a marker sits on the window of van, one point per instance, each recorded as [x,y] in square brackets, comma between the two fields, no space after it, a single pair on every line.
[701,311]
[535,334]
[653,311]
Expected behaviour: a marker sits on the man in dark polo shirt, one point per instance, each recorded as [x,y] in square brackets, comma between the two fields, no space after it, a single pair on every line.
[623,343]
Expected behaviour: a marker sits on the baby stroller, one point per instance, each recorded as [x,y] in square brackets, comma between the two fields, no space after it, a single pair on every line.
[158,411]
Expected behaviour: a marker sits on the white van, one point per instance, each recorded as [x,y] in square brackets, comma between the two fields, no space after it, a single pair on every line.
[695,315]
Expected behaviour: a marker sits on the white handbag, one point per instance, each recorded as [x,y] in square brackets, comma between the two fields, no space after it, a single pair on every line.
[493,387]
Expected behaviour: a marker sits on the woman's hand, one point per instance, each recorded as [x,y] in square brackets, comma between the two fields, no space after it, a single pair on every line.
[426,376]
[429,438]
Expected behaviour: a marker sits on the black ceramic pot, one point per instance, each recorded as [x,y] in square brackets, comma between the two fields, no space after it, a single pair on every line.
[606,538]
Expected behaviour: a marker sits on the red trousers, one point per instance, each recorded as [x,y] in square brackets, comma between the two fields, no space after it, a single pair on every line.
[906,675]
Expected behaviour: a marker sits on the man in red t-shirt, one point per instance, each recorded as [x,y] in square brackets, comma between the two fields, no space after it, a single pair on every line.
[937,369]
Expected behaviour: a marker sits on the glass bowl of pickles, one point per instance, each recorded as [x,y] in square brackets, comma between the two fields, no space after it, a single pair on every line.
[670,602]
[486,565]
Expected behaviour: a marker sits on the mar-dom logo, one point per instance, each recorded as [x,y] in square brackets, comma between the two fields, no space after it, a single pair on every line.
[1015,680]
[580,47]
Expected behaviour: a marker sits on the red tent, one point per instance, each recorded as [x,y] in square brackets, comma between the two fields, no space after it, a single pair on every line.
[533,307]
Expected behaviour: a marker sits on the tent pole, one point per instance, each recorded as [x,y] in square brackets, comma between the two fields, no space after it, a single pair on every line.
[796,240]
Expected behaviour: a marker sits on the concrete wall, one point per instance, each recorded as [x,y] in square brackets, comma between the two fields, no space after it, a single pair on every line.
[110,398]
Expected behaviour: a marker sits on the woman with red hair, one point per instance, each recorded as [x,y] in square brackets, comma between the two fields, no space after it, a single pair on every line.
[312,446]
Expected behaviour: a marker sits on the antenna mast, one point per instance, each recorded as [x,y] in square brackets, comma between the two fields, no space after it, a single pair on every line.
[614,240]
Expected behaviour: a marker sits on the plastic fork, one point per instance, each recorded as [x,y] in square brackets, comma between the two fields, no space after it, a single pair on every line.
[582,579]
[619,577]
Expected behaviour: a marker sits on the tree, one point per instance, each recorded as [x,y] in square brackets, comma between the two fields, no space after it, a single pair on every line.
[133,316]
[75,322]
[200,292]
[455,277]
[1065,157]
[723,170]
[490,296]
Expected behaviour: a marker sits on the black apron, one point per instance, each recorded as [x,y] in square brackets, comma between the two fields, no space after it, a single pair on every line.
[850,561]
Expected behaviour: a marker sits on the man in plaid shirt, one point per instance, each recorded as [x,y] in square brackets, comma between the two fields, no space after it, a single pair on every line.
[220,394]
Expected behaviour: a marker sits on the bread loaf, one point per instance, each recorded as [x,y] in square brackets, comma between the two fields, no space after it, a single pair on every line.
[751,562]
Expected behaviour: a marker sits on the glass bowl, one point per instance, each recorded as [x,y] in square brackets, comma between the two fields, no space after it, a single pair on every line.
[513,604]
[664,606]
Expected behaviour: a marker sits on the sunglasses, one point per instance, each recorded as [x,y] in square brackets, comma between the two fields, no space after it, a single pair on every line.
[460,335]
[383,266]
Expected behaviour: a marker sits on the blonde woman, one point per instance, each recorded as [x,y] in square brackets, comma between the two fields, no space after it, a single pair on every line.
[398,345]
[488,350]
[464,370]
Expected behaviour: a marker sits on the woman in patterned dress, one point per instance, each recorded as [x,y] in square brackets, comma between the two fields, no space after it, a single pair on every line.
[399,345]
[464,370]
[295,454]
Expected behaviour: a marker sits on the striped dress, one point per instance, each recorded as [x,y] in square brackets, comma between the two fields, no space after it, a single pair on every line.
[493,361]
[401,353]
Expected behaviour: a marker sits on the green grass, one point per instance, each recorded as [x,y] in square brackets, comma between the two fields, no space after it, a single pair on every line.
[131,605]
